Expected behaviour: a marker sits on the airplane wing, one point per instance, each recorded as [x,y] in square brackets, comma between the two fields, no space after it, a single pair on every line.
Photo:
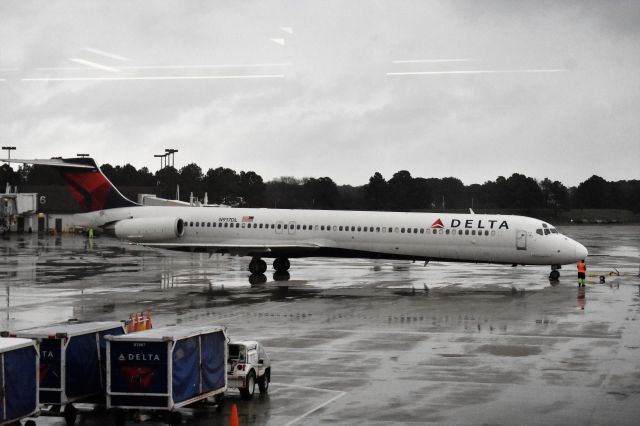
[237,249]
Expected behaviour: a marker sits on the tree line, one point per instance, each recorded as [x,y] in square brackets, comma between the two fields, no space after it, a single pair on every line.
[401,192]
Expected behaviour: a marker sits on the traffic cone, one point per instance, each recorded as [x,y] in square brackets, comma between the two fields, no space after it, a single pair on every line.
[147,325]
[131,324]
[233,419]
[139,322]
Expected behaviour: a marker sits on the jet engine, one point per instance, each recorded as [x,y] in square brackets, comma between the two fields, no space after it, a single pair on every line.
[149,229]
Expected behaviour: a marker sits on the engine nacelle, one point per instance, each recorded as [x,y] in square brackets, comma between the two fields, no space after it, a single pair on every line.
[149,229]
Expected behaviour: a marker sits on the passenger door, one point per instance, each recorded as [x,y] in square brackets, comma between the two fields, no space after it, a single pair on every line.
[521,239]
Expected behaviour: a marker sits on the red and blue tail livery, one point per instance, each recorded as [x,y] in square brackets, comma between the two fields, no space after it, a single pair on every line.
[90,188]
[86,183]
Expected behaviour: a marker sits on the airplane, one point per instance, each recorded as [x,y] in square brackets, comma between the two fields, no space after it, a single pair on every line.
[284,234]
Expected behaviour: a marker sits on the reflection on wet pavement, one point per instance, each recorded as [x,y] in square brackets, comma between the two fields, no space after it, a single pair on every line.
[371,342]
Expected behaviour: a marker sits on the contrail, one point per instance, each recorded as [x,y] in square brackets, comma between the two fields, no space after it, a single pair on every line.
[103,53]
[94,65]
[168,67]
[476,72]
[177,77]
[428,61]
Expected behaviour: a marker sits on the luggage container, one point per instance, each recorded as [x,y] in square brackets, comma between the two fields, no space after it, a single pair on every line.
[18,380]
[165,368]
[72,363]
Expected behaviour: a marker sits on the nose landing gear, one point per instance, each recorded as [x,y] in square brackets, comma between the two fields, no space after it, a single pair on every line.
[554,275]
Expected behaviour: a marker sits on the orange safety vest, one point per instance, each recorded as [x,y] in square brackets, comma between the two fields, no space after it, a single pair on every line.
[582,267]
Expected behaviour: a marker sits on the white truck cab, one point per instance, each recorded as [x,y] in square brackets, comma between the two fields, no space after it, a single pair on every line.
[247,365]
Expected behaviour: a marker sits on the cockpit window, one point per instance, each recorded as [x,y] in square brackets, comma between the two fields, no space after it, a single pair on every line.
[554,231]
[546,231]
[544,225]
[539,231]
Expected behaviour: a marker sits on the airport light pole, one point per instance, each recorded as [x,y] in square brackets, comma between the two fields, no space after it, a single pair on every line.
[160,156]
[171,153]
[9,149]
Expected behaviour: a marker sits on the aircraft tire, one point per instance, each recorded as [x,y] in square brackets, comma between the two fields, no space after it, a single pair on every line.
[281,264]
[257,266]
[554,275]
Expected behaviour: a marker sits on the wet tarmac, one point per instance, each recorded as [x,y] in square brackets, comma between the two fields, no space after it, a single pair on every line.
[365,342]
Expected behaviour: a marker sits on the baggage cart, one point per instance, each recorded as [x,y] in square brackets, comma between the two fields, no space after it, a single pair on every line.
[72,363]
[18,380]
[165,369]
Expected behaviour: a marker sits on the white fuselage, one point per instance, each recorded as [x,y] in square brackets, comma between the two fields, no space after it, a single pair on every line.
[420,236]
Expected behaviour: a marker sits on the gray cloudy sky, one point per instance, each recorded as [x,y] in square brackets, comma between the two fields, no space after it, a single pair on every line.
[473,89]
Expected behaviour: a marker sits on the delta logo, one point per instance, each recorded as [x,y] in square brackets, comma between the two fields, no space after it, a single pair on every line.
[437,224]
[472,223]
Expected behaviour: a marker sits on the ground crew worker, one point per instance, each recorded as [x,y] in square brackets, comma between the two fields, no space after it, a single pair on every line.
[582,272]
[90,232]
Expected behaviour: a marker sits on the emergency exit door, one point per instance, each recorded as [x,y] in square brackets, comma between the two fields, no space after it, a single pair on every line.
[521,239]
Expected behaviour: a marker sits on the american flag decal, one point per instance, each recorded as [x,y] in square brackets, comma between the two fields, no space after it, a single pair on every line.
[247,219]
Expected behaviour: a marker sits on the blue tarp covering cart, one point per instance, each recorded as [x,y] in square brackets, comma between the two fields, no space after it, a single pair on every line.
[72,361]
[18,380]
[166,368]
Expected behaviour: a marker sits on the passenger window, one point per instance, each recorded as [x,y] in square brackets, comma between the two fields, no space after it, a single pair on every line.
[328,227]
[473,232]
[447,232]
[353,228]
[422,230]
[304,227]
[402,230]
[415,230]
[279,226]
[390,230]
[340,228]
[364,229]
[460,232]
[466,232]
[297,226]
[377,229]
[237,225]
[213,224]
[226,225]
[486,233]
[272,226]
[434,232]
[359,229]
[322,228]
[260,226]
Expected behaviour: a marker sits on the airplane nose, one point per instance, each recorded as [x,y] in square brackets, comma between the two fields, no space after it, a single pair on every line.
[581,251]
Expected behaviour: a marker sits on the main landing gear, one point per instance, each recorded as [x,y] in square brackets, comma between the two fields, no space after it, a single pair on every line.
[258,266]
[554,275]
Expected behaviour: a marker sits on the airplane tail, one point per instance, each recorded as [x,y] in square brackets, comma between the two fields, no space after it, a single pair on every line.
[86,183]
